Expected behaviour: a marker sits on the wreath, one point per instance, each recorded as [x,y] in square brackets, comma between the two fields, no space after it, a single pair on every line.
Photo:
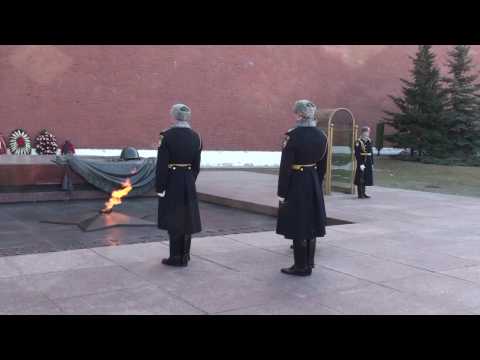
[3,145]
[68,148]
[46,143]
[19,143]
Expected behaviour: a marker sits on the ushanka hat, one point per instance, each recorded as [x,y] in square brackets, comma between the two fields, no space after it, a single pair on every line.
[181,112]
[305,107]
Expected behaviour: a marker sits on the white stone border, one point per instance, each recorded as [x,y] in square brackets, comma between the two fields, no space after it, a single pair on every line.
[221,158]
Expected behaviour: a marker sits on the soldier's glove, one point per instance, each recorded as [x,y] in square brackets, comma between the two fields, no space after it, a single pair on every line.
[281,199]
[162,194]
[362,167]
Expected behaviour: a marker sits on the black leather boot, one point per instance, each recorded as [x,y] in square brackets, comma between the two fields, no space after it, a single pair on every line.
[360,191]
[186,249]
[175,245]
[300,267]
[311,246]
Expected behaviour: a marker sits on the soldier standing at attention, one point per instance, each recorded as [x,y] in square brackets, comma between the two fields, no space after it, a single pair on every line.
[364,157]
[178,165]
[301,214]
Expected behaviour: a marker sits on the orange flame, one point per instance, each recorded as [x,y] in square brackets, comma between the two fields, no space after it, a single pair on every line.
[117,195]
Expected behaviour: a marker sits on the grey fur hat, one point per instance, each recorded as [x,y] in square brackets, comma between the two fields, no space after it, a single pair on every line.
[305,107]
[181,112]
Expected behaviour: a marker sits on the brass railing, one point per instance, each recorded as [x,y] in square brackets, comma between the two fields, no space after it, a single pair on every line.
[347,135]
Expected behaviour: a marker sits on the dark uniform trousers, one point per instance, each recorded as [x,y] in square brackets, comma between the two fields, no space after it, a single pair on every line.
[302,216]
[178,166]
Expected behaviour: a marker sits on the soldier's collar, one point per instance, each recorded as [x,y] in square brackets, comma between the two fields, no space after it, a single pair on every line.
[181,124]
[304,122]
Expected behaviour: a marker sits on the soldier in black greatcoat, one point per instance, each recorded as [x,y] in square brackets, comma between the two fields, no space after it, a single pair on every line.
[178,165]
[364,157]
[301,214]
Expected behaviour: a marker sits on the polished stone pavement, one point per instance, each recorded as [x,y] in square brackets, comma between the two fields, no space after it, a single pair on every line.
[239,274]
[408,252]
[23,232]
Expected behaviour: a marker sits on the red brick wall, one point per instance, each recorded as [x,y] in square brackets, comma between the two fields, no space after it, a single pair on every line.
[241,96]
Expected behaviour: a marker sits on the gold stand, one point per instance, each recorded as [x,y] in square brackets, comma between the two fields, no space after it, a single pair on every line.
[328,182]
[326,121]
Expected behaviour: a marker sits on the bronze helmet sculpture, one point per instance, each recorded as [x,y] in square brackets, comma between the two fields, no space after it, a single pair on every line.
[129,153]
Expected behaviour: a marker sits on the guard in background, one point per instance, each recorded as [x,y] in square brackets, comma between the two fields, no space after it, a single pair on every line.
[178,165]
[301,214]
[364,156]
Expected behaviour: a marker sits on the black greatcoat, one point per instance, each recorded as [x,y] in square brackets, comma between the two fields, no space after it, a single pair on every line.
[365,177]
[178,211]
[302,215]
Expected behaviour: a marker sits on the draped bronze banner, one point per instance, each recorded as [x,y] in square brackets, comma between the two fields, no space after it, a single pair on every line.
[108,174]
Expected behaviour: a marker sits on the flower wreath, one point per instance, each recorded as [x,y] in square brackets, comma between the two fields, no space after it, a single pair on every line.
[19,143]
[3,145]
[68,148]
[46,143]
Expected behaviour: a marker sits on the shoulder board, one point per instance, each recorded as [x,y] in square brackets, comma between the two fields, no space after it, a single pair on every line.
[160,138]
[290,130]
[200,139]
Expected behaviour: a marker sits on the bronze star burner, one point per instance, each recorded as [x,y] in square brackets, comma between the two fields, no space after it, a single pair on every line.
[100,221]
[105,218]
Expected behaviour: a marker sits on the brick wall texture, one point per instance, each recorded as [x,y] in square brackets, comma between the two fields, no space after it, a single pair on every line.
[241,96]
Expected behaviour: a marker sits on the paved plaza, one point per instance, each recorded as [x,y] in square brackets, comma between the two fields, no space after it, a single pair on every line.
[405,252]
[23,232]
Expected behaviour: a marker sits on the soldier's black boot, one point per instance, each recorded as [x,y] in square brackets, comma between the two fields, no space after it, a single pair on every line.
[312,244]
[360,191]
[300,267]
[175,245]
[186,249]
